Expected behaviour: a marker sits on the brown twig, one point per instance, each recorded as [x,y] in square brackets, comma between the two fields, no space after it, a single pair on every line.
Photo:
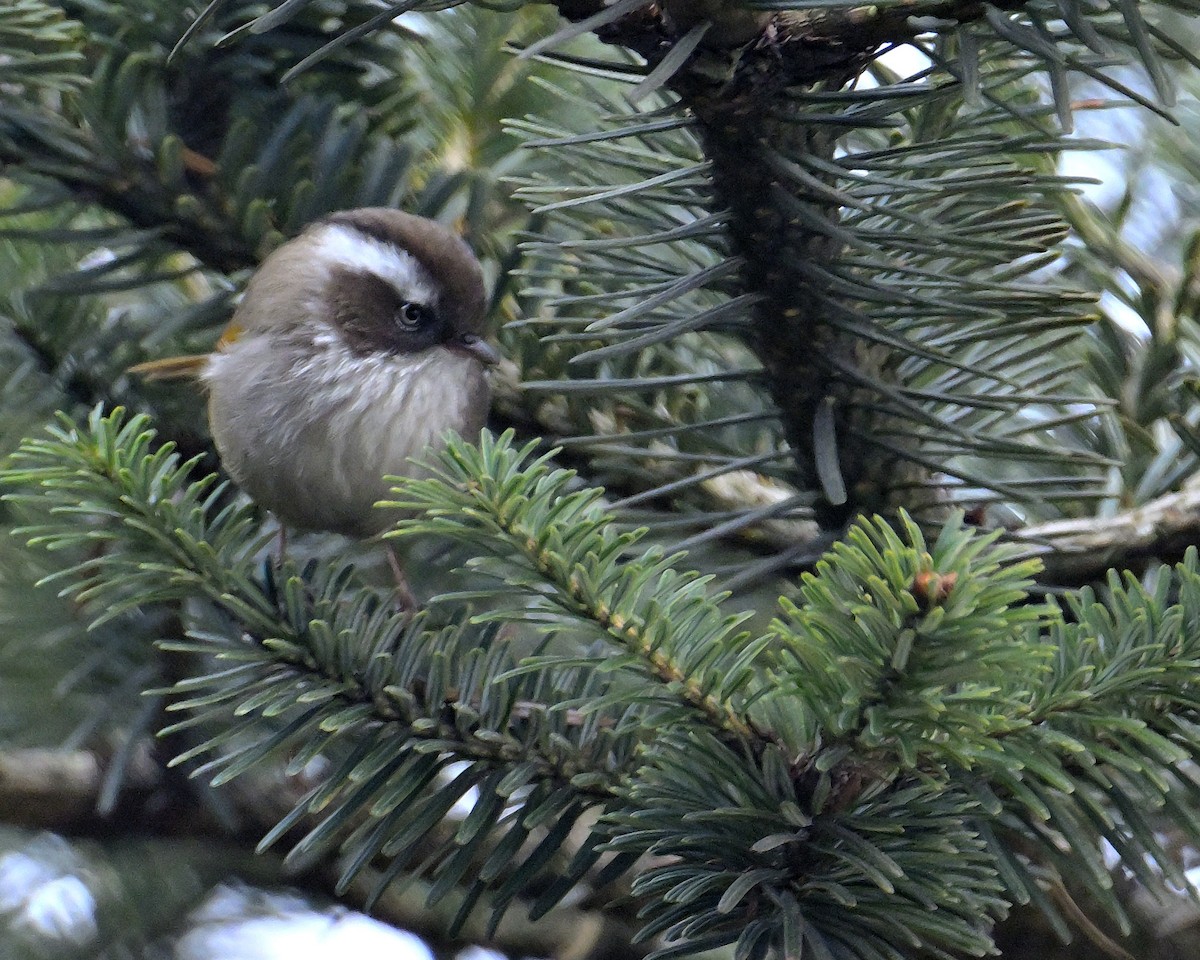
[59,790]
[1078,551]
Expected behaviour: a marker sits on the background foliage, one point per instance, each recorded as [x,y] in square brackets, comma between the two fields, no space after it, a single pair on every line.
[809,293]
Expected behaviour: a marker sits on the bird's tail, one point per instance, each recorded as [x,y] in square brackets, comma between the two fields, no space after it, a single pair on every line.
[172,368]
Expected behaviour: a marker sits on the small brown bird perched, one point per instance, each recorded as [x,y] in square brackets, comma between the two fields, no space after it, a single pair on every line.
[357,345]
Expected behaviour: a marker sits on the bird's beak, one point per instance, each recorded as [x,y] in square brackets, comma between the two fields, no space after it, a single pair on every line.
[476,347]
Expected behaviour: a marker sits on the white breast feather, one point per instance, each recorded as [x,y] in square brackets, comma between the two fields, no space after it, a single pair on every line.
[318,431]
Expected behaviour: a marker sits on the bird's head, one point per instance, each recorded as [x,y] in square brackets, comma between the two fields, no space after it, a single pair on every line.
[381,281]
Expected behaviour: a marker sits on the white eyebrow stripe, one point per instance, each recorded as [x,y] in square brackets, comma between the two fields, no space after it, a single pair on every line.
[344,246]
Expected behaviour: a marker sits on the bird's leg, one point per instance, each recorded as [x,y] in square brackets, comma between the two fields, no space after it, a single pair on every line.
[272,566]
[405,598]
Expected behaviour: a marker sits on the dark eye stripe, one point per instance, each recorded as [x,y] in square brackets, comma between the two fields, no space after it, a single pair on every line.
[441,253]
[370,315]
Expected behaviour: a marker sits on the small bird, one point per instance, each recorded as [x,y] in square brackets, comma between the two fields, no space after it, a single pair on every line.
[356,347]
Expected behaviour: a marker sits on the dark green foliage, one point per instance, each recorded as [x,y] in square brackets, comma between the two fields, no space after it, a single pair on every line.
[941,347]
[515,508]
[895,871]
[937,287]
[752,312]
[852,779]
[190,168]
[395,700]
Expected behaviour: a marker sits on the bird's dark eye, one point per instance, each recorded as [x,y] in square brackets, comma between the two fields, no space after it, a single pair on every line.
[414,316]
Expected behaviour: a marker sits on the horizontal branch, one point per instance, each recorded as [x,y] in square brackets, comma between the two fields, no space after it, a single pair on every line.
[59,790]
[564,932]
[809,45]
[1073,552]
[1082,550]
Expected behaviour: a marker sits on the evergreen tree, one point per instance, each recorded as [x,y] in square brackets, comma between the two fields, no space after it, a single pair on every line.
[770,617]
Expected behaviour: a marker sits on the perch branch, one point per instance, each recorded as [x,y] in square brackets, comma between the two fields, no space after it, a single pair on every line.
[1079,551]
[58,790]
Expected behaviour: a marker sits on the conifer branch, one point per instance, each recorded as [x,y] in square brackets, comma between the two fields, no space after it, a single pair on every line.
[60,790]
[171,538]
[910,684]
[770,264]
[1075,552]
[864,279]
[518,509]
[326,664]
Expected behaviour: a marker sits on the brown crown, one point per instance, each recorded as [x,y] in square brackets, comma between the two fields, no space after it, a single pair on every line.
[443,254]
